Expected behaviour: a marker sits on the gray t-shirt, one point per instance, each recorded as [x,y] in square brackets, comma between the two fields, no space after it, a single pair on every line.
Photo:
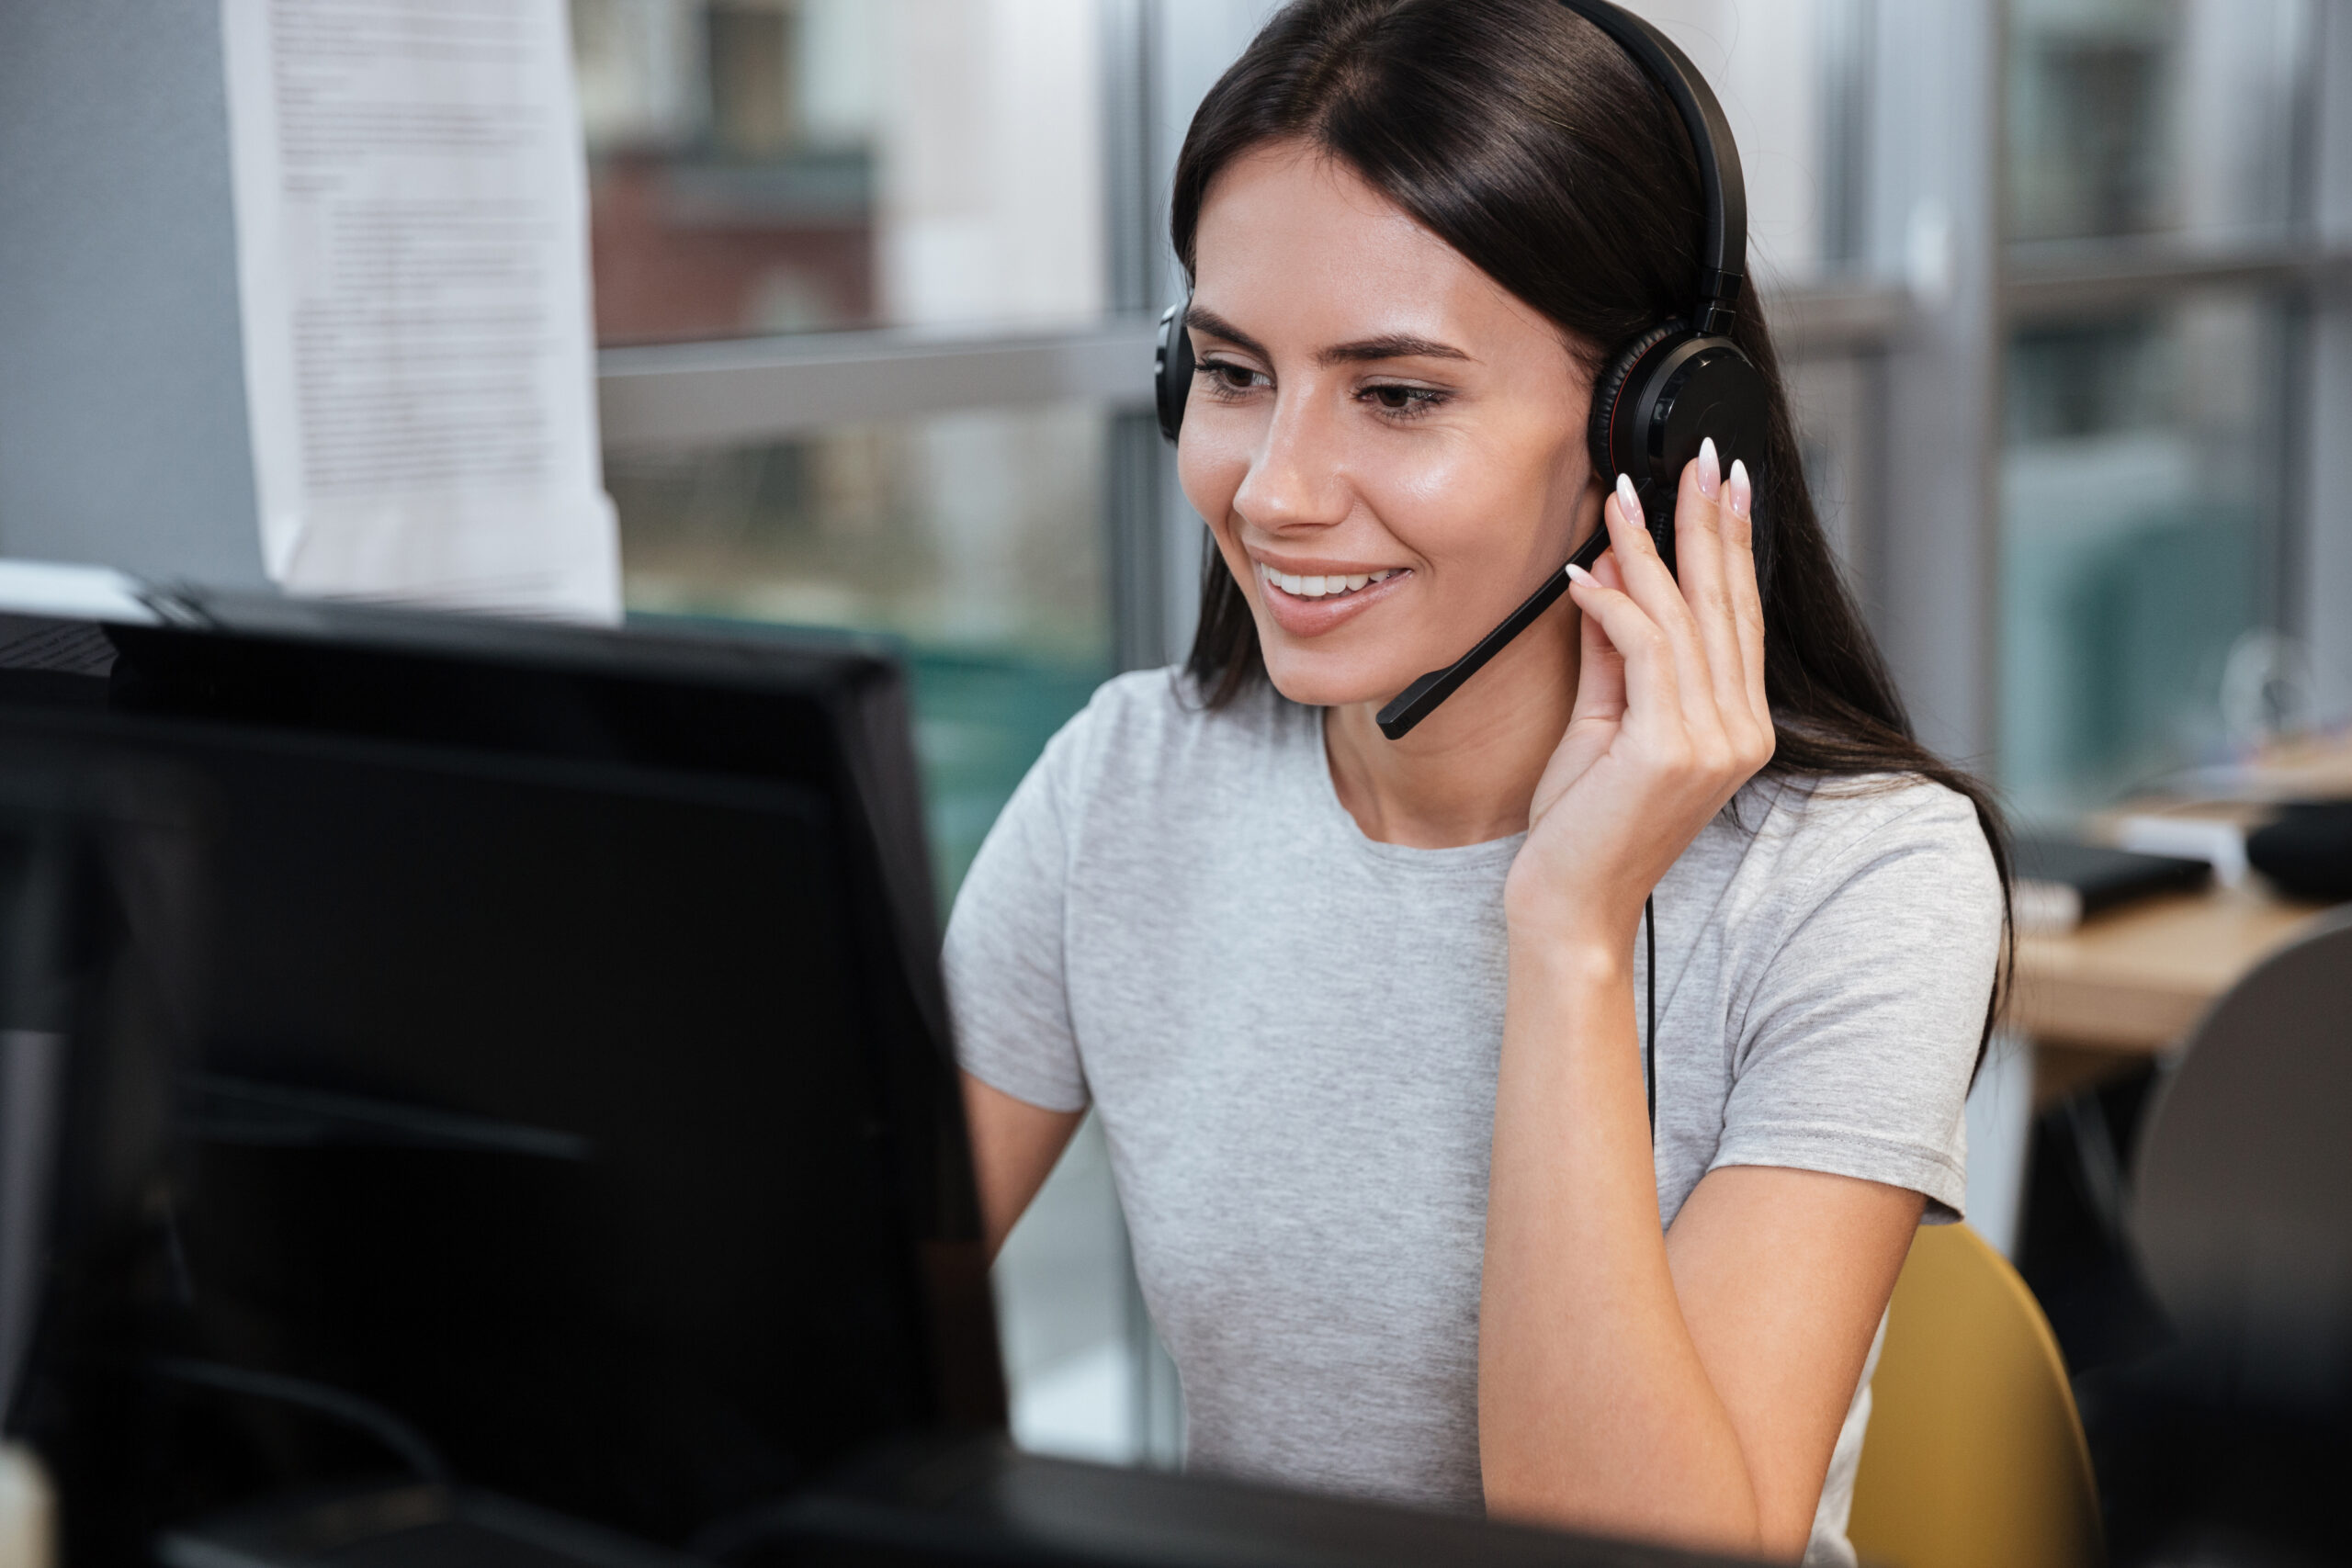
[1290,1032]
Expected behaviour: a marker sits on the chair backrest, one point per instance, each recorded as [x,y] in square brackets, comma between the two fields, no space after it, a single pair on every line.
[1974,1453]
[2242,1188]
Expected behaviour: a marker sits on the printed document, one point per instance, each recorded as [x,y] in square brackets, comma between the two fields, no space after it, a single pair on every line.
[411,243]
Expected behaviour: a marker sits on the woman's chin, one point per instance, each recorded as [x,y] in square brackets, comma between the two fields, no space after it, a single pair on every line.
[1322,682]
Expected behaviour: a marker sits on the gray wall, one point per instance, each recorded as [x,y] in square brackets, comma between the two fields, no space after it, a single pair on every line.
[122,407]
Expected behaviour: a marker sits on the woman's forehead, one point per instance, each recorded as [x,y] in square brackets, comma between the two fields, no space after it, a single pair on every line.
[1284,208]
[1294,243]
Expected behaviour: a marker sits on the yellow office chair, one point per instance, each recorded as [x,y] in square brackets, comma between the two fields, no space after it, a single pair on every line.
[1975,1455]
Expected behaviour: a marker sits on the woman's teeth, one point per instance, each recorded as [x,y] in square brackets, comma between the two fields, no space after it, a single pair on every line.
[1320,587]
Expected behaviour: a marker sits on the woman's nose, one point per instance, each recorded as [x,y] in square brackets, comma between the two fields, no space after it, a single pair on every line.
[1295,479]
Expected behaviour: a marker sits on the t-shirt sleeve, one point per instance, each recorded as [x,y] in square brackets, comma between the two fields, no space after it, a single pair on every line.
[1861,1030]
[1004,955]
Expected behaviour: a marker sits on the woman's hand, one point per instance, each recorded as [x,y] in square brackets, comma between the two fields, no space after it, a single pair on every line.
[1606,1398]
[1670,718]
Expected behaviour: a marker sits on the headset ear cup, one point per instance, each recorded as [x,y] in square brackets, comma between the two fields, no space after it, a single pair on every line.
[1172,369]
[1608,391]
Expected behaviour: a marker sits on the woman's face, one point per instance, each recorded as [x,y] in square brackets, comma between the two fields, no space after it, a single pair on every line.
[1371,406]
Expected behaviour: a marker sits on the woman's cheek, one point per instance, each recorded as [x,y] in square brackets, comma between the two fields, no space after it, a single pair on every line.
[1435,504]
[1211,463]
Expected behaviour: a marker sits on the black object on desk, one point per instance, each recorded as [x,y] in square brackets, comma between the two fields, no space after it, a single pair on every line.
[505,1115]
[977,1501]
[2307,850]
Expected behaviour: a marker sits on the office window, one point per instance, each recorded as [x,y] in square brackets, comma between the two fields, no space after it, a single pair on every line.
[974,538]
[760,167]
[2141,501]
[2146,434]
[2153,116]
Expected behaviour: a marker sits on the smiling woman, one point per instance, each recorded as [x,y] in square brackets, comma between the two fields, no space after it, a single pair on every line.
[1358,1016]
[1446,446]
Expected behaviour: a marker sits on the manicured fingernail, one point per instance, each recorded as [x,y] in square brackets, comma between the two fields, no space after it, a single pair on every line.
[1578,574]
[1627,502]
[1737,491]
[1711,473]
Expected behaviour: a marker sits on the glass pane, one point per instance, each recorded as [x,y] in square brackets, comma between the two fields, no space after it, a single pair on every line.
[788,165]
[2140,506]
[2138,117]
[975,538]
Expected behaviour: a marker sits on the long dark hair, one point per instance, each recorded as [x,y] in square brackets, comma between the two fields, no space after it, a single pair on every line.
[1520,134]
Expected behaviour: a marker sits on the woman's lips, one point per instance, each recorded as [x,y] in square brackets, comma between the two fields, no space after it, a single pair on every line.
[1301,616]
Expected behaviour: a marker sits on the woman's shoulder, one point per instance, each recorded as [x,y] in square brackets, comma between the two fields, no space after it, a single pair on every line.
[1846,885]
[1822,831]
[1155,708]
[1857,805]
[1148,729]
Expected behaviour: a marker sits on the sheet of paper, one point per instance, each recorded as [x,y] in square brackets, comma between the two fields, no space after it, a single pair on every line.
[412,198]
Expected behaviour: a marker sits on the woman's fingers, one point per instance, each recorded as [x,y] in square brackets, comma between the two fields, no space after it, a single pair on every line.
[1609,571]
[1709,622]
[1647,581]
[1601,675]
[1701,563]
[1651,700]
[1746,595]
[1649,584]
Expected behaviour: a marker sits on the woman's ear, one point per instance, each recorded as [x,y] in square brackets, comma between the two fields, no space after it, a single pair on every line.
[1583,375]
[1590,499]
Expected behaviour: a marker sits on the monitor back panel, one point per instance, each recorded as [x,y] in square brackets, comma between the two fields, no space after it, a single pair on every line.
[568,1112]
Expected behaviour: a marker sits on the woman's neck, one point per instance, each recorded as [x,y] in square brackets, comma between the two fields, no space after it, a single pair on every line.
[1468,772]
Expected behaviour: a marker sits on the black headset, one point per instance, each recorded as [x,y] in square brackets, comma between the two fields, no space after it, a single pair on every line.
[1680,381]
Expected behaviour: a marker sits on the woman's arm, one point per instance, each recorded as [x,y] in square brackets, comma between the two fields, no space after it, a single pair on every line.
[1014,1146]
[1691,1385]
[1782,1276]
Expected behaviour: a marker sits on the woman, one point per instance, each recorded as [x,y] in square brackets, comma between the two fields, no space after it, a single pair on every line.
[1361,1018]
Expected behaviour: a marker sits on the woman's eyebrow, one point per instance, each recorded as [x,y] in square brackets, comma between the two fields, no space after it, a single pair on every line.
[1393,345]
[1215,325]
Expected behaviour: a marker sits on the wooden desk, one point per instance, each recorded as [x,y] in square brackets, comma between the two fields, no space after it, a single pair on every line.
[2128,985]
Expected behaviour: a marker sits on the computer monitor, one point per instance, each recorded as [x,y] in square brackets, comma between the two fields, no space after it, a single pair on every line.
[505,1054]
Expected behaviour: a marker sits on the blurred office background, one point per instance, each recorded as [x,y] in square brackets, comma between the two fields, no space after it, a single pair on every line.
[2062,284]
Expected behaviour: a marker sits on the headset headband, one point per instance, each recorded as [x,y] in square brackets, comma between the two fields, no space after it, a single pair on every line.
[1722,260]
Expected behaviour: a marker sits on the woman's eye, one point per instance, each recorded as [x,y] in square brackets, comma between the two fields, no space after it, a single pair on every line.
[1403,402]
[1227,379]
